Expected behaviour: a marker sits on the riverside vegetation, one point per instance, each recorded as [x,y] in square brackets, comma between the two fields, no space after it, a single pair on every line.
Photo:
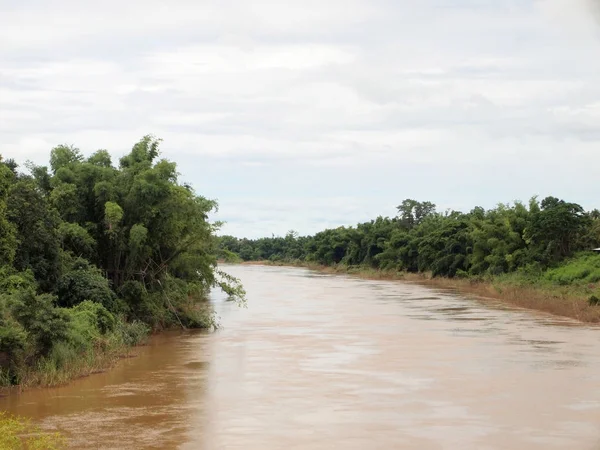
[17,433]
[94,257]
[536,255]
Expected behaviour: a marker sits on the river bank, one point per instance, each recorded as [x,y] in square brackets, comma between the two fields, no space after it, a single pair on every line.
[564,301]
[64,365]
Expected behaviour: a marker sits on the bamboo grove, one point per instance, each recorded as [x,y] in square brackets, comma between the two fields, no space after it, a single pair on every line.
[93,256]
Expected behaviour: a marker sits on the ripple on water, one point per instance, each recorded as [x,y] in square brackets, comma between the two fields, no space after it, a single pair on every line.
[196,365]
[318,361]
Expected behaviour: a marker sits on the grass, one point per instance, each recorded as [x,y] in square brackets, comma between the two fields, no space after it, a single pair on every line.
[548,292]
[17,433]
[64,365]
[66,362]
[582,269]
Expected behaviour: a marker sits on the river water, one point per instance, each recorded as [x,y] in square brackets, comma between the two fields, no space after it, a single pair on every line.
[332,362]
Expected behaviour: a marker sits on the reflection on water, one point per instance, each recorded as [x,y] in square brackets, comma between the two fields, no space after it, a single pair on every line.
[319,362]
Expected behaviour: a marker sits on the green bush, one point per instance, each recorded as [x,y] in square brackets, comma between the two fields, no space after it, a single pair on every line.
[13,337]
[461,274]
[96,314]
[85,282]
[12,281]
[132,333]
[44,323]
[61,356]
[197,318]
[89,322]
[133,294]
[229,257]
[168,305]
[584,268]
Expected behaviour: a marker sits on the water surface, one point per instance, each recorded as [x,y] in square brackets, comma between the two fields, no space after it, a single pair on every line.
[323,362]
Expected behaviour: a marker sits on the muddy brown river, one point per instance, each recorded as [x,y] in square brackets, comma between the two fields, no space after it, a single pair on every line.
[332,362]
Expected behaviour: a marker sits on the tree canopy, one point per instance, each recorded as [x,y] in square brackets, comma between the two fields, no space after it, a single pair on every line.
[131,241]
[501,240]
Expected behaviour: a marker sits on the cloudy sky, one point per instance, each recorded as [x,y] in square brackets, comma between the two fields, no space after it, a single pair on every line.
[311,114]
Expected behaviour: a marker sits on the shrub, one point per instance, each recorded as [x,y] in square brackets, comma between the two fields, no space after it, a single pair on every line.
[12,281]
[89,322]
[13,338]
[85,282]
[461,274]
[61,356]
[132,333]
[44,323]
[133,293]
[97,316]
[584,268]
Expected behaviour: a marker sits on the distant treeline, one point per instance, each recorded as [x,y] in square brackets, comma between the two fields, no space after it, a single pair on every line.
[92,256]
[527,238]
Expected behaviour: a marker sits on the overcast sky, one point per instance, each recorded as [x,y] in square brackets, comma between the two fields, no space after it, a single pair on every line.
[311,114]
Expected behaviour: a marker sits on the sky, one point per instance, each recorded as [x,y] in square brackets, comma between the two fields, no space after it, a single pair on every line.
[304,115]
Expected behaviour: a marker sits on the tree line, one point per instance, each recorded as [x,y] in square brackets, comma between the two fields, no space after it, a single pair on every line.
[93,255]
[527,238]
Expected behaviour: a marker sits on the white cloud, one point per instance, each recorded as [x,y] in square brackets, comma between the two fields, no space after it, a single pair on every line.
[196,60]
[579,17]
[308,114]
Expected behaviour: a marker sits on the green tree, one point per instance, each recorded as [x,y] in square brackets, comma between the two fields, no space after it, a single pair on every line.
[36,224]
[85,282]
[64,156]
[556,229]
[44,323]
[412,213]
[8,231]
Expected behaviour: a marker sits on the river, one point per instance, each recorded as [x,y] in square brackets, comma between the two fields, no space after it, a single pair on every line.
[331,362]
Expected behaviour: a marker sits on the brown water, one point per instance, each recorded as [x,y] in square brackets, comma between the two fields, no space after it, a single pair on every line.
[330,362]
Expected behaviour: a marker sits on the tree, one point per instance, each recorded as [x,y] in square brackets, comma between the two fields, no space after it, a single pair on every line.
[44,323]
[8,231]
[555,230]
[64,156]
[498,244]
[36,224]
[85,282]
[91,255]
[412,212]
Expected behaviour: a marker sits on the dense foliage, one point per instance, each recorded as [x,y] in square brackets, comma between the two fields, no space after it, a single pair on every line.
[92,256]
[527,238]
